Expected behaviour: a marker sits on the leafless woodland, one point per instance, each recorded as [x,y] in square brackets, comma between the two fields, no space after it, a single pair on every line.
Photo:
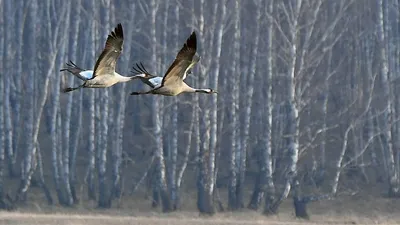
[306,99]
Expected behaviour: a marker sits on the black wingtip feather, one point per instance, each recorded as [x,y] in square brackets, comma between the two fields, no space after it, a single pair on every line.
[70,65]
[139,69]
[192,40]
[118,31]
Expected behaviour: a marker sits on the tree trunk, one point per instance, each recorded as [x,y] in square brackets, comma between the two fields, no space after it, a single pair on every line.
[16,94]
[292,102]
[156,103]
[67,121]
[234,167]
[208,124]
[265,185]
[92,124]
[174,145]
[299,203]
[104,200]
[117,152]
[74,138]
[27,169]
[394,184]
[3,203]
[8,66]
[42,183]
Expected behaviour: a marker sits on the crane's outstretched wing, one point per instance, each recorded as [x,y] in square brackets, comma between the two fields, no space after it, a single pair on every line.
[107,60]
[184,61]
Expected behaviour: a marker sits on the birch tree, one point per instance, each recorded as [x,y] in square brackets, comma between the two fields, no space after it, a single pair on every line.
[393,176]
[174,145]
[8,57]
[74,139]
[233,199]
[16,93]
[206,151]
[66,147]
[2,127]
[265,185]
[27,168]
[156,102]
[120,117]
[104,201]
[92,126]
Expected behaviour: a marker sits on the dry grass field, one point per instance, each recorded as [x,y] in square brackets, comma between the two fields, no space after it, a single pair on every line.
[349,210]
[25,218]
[362,208]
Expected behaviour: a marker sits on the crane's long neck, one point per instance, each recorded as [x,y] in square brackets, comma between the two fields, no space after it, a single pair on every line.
[125,78]
[187,88]
[203,90]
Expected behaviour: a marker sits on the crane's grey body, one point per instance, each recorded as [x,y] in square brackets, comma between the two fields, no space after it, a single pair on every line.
[172,83]
[87,76]
[104,74]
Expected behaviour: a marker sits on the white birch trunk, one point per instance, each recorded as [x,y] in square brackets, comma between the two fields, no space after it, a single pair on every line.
[27,169]
[214,109]
[249,102]
[66,147]
[55,139]
[293,114]
[92,121]
[233,111]
[385,78]
[8,66]
[74,139]
[267,153]
[104,201]
[2,132]
[264,185]
[156,103]
[17,87]
[174,145]
[120,117]
[205,173]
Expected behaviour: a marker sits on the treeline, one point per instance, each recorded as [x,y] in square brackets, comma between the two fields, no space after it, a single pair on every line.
[306,91]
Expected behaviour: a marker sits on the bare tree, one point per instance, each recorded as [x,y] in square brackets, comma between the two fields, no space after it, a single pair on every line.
[104,200]
[174,145]
[120,117]
[16,93]
[233,199]
[90,176]
[393,177]
[161,182]
[2,128]
[74,139]
[8,116]
[265,184]
[30,150]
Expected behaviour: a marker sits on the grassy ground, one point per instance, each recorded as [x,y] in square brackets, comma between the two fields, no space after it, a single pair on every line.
[345,210]
[362,208]
[179,218]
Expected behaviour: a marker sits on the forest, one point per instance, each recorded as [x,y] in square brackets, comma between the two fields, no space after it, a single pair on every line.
[305,111]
